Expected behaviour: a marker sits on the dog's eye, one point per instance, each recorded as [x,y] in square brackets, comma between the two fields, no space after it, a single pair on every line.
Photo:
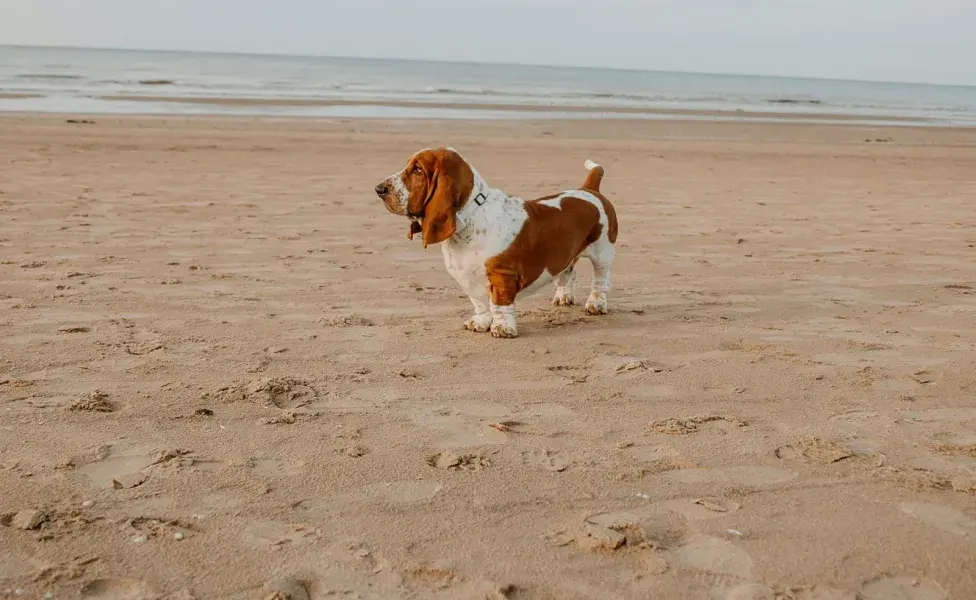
[417,169]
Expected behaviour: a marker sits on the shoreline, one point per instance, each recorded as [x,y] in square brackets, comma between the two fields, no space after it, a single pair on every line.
[502,107]
[19,96]
[542,125]
[382,109]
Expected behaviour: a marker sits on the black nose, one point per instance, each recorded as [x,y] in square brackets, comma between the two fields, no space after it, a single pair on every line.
[382,189]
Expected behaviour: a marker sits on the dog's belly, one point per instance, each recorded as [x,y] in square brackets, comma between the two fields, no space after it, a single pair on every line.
[468,269]
[544,279]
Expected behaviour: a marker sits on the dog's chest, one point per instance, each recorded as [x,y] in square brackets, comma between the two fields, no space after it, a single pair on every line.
[488,233]
[466,265]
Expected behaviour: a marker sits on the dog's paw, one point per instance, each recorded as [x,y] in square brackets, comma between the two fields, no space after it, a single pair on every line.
[478,323]
[501,329]
[596,304]
[563,298]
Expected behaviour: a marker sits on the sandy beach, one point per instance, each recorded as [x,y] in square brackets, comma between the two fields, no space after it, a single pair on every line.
[223,367]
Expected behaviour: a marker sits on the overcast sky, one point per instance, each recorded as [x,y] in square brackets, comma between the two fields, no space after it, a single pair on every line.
[901,40]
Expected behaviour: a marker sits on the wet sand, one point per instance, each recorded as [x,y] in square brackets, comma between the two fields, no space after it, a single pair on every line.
[521,108]
[18,96]
[222,365]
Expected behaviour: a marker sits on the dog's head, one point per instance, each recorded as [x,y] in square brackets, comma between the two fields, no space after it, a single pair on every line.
[429,191]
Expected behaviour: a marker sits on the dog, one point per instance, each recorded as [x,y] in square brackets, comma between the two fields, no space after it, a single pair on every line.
[500,248]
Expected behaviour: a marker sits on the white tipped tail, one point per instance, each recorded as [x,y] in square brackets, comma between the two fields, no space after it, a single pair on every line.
[594,176]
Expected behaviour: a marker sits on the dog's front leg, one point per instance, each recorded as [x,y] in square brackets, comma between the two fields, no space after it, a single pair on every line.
[481,321]
[503,321]
[503,286]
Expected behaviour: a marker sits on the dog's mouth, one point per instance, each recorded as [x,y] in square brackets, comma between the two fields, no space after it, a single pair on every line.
[394,207]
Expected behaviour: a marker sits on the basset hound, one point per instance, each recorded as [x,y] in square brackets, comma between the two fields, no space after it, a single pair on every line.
[499,247]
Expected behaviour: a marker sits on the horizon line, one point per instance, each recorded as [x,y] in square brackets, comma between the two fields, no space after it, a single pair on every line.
[479,63]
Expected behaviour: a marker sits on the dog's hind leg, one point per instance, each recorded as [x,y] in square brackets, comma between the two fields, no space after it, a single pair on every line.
[601,255]
[566,287]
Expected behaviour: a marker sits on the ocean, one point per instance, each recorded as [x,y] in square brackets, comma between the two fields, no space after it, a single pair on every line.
[70,80]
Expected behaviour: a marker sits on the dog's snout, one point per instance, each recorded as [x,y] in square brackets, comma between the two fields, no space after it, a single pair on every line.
[382,189]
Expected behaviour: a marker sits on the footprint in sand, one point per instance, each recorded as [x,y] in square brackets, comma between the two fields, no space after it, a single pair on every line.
[573,373]
[281,392]
[653,453]
[550,460]
[730,475]
[270,533]
[272,467]
[118,589]
[648,524]
[697,509]
[819,592]
[864,446]
[748,591]
[121,464]
[44,401]
[895,386]
[758,591]
[122,467]
[711,555]
[861,421]
[625,367]
[941,416]
[547,410]
[404,492]
[673,426]
[314,508]
[814,450]
[361,400]
[451,461]
[656,529]
[420,360]
[288,589]
[941,517]
[646,528]
[135,341]
[902,588]
[462,426]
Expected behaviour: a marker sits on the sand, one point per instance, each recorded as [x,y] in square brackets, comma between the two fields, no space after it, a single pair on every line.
[223,368]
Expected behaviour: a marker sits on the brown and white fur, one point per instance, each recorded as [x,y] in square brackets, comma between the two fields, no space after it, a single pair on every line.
[499,247]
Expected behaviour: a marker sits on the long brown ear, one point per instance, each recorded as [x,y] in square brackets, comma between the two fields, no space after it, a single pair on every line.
[451,179]
[439,217]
